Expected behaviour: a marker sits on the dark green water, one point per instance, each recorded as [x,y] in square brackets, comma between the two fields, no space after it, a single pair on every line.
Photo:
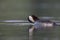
[21,33]
[21,9]
[13,32]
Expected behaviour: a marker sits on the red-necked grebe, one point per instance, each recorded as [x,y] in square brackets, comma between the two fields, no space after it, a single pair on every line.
[40,23]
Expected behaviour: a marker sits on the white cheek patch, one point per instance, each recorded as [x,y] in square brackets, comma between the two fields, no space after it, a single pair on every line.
[31,18]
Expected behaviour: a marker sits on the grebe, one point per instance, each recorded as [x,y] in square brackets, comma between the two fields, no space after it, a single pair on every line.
[39,23]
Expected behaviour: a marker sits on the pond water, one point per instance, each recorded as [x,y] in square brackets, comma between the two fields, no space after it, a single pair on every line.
[8,32]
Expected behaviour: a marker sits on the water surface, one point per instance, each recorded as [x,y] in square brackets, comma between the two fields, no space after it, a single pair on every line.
[8,32]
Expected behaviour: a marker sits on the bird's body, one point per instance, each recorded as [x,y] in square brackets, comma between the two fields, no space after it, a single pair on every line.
[41,24]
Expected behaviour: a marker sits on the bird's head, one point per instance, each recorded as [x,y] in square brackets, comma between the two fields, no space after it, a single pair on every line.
[32,18]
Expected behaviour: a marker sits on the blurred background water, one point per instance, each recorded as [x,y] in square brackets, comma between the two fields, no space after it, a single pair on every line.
[21,9]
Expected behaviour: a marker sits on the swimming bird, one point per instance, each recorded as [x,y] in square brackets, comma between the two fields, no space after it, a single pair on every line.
[40,24]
